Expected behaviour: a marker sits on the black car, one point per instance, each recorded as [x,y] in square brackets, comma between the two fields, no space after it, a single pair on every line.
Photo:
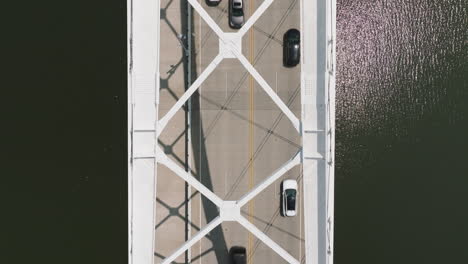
[236,13]
[238,255]
[291,48]
[212,2]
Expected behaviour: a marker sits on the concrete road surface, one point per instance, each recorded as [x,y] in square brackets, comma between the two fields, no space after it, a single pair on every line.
[238,135]
[237,123]
[172,224]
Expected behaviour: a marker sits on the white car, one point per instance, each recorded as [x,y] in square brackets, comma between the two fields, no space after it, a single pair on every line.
[289,194]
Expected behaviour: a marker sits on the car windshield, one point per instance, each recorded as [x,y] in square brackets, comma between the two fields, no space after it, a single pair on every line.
[237,12]
[291,199]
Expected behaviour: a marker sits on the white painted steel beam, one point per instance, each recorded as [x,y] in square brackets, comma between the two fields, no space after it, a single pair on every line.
[266,87]
[143,87]
[317,120]
[182,100]
[255,16]
[296,160]
[186,176]
[197,237]
[267,241]
[203,14]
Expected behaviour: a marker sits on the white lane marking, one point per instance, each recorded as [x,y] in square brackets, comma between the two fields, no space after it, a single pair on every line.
[276,83]
[225,181]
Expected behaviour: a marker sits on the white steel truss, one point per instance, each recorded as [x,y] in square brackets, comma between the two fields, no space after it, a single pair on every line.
[145,129]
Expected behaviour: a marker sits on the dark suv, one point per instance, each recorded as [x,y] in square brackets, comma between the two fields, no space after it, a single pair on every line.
[238,255]
[291,48]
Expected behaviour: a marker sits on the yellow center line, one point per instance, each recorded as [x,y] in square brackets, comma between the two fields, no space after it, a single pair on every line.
[251,134]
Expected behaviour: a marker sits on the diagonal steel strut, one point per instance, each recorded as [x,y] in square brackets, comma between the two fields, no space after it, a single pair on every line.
[269,180]
[255,16]
[186,176]
[211,23]
[266,87]
[201,234]
[211,67]
[268,241]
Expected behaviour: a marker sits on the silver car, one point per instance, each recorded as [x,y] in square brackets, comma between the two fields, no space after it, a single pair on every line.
[236,13]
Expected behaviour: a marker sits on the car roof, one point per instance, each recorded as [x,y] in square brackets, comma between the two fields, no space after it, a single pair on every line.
[237,249]
[238,254]
[289,184]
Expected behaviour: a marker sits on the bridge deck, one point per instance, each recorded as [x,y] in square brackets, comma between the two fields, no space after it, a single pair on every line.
[242,108]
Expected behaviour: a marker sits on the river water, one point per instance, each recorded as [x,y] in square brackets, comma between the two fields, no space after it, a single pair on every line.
[401,162]
[401,153]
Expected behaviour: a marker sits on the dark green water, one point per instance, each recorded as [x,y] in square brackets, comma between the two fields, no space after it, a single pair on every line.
[402,112]
[64,133]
